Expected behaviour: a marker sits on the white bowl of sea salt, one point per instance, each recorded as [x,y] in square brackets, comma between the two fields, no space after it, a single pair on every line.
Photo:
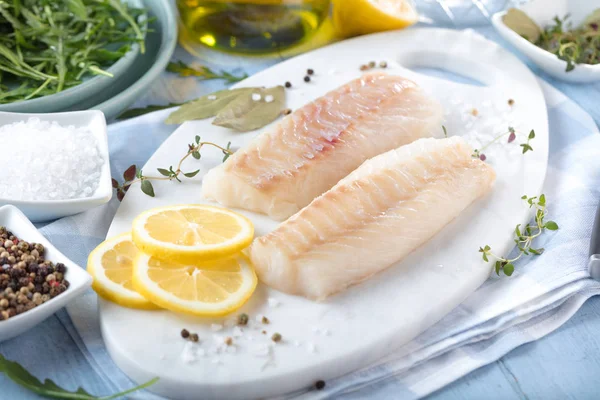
[54,165]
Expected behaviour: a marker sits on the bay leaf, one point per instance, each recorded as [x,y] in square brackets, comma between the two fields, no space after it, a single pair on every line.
[520,22]
[246,114]
[206,106]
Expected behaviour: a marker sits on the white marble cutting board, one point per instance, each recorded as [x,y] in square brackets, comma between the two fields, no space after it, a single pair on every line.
[359,326]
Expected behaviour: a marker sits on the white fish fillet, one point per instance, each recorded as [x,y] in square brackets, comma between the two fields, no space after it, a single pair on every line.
[309,151]
[382,211]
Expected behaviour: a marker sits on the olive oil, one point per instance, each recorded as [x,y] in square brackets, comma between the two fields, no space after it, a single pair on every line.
[252,26]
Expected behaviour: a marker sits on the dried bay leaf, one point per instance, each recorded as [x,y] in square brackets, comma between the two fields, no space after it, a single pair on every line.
[245,114]
[520,22]
[206,106]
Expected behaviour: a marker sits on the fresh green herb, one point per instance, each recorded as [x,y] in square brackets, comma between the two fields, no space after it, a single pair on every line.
[134,175]
[512,135]
[445,131]
[579,45]
[136,112]
[48,388]
[202,72]
[524,237]
[48,46]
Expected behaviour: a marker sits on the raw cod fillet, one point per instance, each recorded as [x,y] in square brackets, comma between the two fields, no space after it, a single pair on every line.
[382,211]
[308,152]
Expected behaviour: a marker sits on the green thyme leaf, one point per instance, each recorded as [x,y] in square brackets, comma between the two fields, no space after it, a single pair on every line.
[508,269]
[531,134]
[192,174]
[164,172]
[551,226]
[196,155]
[445,131]
[48,388]
[247,114]
[147,188]
[197,139]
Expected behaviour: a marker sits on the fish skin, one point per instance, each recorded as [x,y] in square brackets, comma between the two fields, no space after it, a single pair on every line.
[309,151]
[371,219]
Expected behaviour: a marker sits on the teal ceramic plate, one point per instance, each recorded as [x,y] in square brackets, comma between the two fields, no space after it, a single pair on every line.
[160,45]
[70,99]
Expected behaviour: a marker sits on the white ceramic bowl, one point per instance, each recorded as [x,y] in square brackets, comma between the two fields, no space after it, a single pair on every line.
[45,210]
[542,12]
[16,222]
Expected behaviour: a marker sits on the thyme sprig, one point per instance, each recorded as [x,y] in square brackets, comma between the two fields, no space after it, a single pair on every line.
[524,237]
[134,175]
[512,135]
[203,73]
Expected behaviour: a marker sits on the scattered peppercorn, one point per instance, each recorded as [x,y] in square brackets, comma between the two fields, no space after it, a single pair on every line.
[310,71]
[320,384]
[364,67]
[185,333]
[228,341]
[288,84]
[482,157]
[194,337]
[382,64]
[307,78]
[276,337]
[372,64]
[265,320]
[27,279]
[264,332]
[242,319]
[287,111]
[511,102]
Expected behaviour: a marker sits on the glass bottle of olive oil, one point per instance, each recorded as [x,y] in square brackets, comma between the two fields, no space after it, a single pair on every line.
[251,26]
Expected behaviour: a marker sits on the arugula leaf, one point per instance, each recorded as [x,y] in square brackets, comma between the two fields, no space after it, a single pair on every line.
[48,388]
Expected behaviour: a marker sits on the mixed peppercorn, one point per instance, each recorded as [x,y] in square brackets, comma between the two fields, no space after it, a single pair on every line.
[27,279]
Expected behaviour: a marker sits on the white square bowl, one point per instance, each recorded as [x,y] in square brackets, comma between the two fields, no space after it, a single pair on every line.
[543,12]
[79,280]
[45,210]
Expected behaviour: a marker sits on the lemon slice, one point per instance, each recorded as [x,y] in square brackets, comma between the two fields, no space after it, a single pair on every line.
[191,233]
[111,266]
[358,17]
[210,288]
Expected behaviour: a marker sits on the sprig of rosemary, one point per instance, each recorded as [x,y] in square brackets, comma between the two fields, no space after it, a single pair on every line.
[524,237]
[17,373]
[203,72]
[512,135]
[134,175]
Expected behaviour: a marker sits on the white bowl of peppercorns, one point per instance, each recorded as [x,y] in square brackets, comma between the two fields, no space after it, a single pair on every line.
[36,280]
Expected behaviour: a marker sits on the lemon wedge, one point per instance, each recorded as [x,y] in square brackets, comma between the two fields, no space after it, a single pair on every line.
[358,17]
[111,266]
[210,288]
[191,233]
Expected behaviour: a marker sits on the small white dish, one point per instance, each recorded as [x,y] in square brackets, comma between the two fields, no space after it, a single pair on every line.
[45,210]
[543,12]
[79,280]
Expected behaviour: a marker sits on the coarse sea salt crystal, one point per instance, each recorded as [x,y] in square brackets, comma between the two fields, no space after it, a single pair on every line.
[311,347]
[216,327]
[273,302]
[65,162]
[212,97]
[256,96]
[237,332]
[269,98]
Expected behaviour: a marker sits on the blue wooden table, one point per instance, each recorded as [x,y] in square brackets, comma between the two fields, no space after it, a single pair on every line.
[562,365]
